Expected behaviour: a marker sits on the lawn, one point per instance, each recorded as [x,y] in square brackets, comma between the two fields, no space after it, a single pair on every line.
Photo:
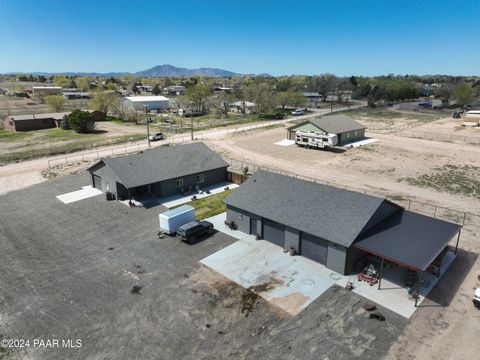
[210,205]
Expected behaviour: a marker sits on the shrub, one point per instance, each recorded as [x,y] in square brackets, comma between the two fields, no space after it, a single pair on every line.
[81,121]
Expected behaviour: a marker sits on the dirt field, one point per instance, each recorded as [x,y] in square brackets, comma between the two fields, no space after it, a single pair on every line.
[447,325]
[449,125]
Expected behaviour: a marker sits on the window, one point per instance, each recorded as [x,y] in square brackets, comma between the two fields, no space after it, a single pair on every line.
[355,134]
[348,135]
[240,216]
[200,178]
[179,182]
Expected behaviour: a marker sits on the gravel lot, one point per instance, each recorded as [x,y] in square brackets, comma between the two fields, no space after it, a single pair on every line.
[68,271]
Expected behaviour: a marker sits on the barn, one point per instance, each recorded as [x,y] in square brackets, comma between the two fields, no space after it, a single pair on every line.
[346,129]
[162,171]
[336,227]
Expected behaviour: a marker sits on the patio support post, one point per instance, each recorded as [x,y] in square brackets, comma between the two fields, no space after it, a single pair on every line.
[458,239]
[417,292]
[380,275]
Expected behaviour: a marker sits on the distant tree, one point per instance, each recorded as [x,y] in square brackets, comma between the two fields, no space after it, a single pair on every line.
[156,90]
[105,101]
[111,86]
[353,81]
[323,84]
[55,102]
[62,81]
[284,98]
[260,94]
[298,100]
[41,78]
[462,93]
[284,85]
[81,121]
[198,95]
[134,88]
[222,102]
[82,83]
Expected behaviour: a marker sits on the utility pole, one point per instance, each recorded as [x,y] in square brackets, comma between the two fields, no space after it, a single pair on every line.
[148,127]
[191,125]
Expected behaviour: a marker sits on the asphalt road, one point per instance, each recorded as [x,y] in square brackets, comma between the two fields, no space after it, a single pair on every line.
[67,272]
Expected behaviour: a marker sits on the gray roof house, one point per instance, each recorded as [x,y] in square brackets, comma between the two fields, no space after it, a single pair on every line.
[333,226]
[162,171]
[346,129]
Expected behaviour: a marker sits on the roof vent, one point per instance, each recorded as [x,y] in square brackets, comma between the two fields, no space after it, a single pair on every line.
[131,163]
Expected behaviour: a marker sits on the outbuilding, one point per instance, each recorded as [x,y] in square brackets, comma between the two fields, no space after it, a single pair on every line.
[336,227]
[346,129]
[153,103]
[162,171]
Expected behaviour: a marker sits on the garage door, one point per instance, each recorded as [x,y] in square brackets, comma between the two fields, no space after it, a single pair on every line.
[274,232]
[97,182]
[314,248]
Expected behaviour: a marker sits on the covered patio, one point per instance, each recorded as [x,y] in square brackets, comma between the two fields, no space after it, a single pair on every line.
[417,243]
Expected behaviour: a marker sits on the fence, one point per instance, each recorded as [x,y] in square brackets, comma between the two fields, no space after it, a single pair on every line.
[438,212]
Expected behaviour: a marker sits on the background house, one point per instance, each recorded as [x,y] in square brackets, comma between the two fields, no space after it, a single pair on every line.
[346,129]
[41,91]
[162,171]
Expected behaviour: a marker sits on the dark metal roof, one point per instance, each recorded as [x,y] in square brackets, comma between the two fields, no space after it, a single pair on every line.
[333,214]
[334,124]
[162,163]
[409,239]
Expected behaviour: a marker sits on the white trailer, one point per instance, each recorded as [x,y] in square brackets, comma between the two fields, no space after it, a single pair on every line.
[170,220]
[315,140]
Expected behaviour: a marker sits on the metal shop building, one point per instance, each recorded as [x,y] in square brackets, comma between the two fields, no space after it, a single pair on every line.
[337,227]
[346,129]
[162,171]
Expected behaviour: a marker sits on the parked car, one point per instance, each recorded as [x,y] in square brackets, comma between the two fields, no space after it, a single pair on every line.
[194,230]
[156,137]
[298,112]
[476,298]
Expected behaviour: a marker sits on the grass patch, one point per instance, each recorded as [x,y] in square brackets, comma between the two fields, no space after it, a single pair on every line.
[26,154]
[46,135]
[454,179]
[209,206]
[383,114]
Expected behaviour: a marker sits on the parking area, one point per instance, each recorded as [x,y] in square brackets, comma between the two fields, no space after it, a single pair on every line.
[68,271]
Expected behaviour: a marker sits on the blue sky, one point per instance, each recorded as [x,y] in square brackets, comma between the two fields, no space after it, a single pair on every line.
[278,37]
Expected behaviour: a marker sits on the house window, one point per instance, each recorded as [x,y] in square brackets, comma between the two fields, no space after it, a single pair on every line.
[355,134]
[200,178]
[240,216]
[179,182]
[348,135]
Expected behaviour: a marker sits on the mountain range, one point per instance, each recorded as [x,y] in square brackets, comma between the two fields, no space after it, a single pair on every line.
[166,70]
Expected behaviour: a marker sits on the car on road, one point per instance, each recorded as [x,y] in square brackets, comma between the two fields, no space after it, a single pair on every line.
[194,230]
[156,137]
[298,112]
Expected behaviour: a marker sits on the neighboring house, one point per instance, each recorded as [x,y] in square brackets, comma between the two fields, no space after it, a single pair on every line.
[336,227]
[313,99]
[175,89]
[244,107]
[162,171]
[41,91]
[137,103]
[76,95]
[346,129]
[42,121]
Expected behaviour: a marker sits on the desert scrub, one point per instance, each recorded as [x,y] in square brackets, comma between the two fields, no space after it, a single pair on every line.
[454,179]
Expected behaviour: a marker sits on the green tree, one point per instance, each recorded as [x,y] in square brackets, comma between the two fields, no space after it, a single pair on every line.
[222,102]
[462,93]
[298,100]
[81,121]
[260,94]
[62,81]
[82,83]
[284,98]
[156,90]
[105,101]
[55,102]
[198,95]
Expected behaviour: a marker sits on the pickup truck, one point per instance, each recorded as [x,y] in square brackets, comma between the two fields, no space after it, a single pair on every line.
[194,230]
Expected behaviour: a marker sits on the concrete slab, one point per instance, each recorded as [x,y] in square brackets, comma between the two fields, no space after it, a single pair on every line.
[285,142]
[171,201]
[360,143]
[292,283]
[85,193]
